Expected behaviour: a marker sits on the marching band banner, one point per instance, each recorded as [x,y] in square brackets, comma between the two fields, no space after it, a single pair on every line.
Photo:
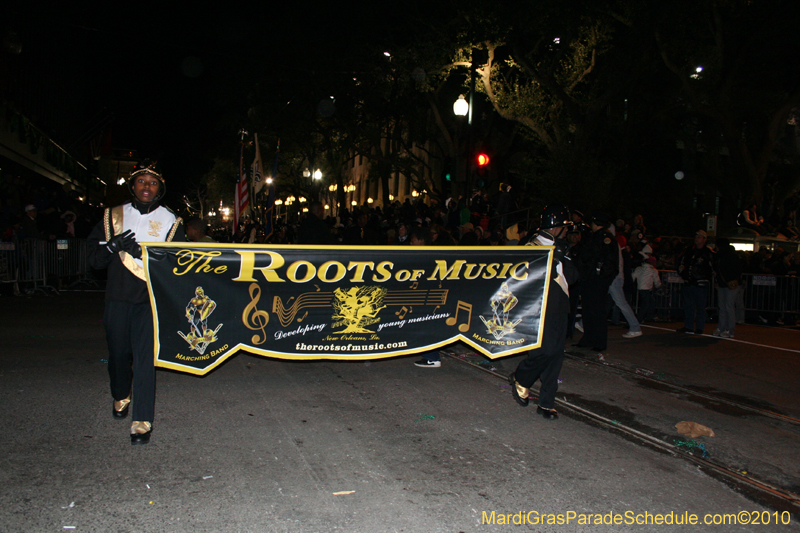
[341,302]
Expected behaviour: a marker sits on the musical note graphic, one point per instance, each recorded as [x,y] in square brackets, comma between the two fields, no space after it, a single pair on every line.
[259,319]
[286,312]
[453,319]
[401,314]
[302,317]
[415,285]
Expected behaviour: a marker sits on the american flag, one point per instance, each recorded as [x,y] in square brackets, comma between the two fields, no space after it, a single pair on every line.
[242,195]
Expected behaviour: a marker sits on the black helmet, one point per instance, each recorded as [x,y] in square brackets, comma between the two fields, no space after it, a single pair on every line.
[555,216]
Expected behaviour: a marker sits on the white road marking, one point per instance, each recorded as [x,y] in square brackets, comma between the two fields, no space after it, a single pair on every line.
[732,340]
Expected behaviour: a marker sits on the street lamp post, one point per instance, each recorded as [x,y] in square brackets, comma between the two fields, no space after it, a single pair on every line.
[314,177]
[462,108]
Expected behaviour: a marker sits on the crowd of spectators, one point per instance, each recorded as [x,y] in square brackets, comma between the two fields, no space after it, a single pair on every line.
[769,221]
[56,213]
[482,224]
[38,212]
[455,224]
[480,221]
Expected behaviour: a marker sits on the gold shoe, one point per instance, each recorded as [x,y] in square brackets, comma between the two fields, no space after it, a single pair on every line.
[120,408]
[519,392]
[140,432]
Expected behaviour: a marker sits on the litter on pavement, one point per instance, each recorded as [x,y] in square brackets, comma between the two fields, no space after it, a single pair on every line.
[693,429]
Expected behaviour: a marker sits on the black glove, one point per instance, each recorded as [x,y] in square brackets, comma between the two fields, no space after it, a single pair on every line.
[134,249]
[560,252]
[121,242]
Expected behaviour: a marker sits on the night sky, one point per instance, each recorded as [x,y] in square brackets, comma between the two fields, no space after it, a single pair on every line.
[174,82]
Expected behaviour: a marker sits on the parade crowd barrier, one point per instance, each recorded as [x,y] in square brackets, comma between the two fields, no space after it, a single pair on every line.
[764,297]
[32,265]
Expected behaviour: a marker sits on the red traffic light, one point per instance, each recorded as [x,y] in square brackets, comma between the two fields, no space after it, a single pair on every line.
[483,160]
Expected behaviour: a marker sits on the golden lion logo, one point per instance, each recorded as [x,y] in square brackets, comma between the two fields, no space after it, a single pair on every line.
[357,307]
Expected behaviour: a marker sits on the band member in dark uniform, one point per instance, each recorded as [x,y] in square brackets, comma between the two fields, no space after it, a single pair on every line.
[545,362]
[599,265]
[113,244]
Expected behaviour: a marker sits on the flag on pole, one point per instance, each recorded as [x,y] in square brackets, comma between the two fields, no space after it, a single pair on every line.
[255,170]
[242,194]
[270,211]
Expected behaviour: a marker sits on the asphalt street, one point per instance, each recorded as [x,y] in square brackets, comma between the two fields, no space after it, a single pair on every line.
[269,445]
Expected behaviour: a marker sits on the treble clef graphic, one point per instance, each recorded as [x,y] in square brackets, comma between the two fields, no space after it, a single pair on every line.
[259,319]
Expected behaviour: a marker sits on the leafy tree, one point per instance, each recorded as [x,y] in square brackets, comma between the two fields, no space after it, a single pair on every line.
[219,182]
[392,126]
[538,67]
[605,89]
[729,59]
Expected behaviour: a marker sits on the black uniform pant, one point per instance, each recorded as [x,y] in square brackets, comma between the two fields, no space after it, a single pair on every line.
[129,333]
[594,295]
[545,362]
[574,295]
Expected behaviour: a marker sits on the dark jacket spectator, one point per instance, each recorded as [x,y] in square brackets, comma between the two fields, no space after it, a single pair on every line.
[313,229]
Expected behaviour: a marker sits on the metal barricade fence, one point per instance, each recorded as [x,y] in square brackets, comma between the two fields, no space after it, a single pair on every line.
[8,262]
[771,296]
[67,260]
[23,264]
[39,265]
[775,296]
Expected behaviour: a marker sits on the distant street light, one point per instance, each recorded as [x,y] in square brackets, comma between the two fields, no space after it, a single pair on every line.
[461,106]
[318,174]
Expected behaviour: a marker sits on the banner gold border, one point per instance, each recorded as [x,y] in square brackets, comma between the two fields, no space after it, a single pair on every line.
[319,357]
